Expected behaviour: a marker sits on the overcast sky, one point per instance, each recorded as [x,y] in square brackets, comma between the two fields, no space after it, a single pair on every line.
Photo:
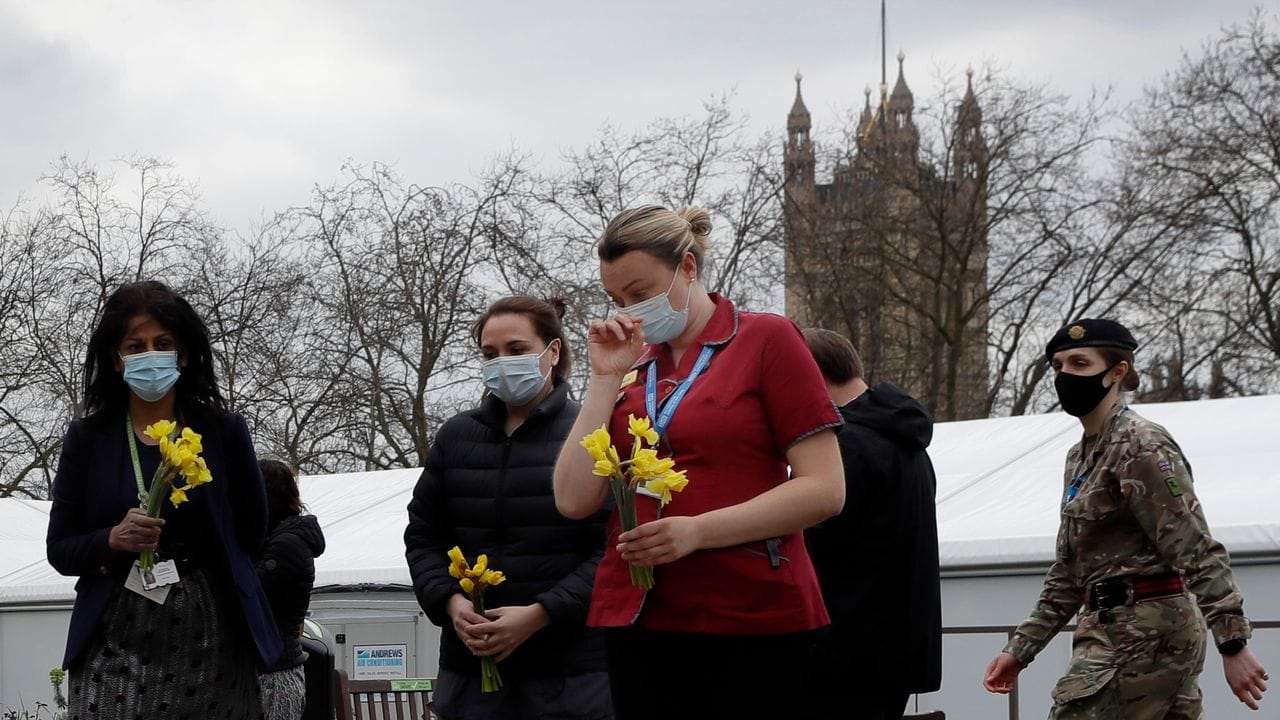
[257,101]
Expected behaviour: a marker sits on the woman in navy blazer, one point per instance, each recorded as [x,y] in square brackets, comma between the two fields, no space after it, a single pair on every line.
[194,646]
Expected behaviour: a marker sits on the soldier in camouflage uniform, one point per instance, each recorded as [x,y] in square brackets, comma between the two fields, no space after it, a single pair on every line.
[1132,542]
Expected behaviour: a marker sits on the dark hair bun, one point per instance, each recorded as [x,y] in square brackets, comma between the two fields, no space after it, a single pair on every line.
[559,303]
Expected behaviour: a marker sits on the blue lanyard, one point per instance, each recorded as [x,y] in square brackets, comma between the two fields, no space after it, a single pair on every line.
[662,420]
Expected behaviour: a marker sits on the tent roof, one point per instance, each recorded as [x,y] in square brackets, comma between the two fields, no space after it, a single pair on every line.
[1000,479]
[999,482]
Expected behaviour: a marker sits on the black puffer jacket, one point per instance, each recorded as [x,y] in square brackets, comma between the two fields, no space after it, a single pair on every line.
[489,493]
[287,570]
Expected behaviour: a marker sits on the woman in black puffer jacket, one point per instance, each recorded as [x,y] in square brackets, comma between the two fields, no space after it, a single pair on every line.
[486,488]
[286,568]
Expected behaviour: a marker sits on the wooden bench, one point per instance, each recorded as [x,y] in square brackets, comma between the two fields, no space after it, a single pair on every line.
[382,699]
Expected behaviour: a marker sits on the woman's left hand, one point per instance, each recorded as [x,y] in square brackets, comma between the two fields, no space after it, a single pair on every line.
[506,630]
[1246,677]
[660,541]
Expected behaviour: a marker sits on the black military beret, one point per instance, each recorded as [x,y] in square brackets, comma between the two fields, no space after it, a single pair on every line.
[1091,333]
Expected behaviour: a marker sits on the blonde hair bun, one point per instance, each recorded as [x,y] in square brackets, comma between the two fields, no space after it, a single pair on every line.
[699,220]
[662,233]
[699,227]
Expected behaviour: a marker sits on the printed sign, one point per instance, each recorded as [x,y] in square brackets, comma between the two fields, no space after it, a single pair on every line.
[411,685]
[379,662]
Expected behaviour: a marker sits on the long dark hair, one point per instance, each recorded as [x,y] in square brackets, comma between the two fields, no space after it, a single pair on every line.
[104,386]
[283,498]
[546,317]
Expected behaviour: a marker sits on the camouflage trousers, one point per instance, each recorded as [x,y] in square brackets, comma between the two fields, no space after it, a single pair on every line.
[1140,662]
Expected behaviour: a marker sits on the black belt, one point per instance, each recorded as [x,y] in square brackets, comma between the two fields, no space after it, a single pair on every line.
[1114,592]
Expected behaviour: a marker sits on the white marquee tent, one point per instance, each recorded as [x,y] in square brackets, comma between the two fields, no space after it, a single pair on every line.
[998,489]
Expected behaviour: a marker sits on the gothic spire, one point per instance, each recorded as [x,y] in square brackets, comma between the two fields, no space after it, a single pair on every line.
[798,118]
[900,89]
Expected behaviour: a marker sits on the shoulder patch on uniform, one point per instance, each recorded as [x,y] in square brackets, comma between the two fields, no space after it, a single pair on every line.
[1174,488]
[1165,466]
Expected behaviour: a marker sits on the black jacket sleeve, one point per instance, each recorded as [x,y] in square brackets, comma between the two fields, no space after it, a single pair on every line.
[568,600]
[425,538]
[73,545]
[286,570]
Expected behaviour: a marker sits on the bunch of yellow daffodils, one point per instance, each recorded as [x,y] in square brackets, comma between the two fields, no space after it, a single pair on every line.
[473,579]
[644,468]
[179,457]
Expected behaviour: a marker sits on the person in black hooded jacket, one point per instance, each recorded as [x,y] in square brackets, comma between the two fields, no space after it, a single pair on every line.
[877,561]
[486,488]
[286,568]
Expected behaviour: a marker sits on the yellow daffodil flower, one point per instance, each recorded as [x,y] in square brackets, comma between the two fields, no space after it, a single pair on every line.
[468,585]
[177,496]
[456,557]
[642,429]
[646,465]
[179,455]
[494,577]
[603,468]
[597,443]
[482,563]
[193,439]
[196,472]
[160,429]
[667,484]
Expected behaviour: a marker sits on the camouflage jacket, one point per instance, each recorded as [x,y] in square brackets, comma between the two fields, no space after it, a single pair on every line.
[1133,511]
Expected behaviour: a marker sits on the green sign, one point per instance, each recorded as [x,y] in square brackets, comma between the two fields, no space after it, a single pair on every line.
[410,685]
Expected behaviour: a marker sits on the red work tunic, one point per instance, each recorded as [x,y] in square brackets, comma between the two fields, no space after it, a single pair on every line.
[761,394]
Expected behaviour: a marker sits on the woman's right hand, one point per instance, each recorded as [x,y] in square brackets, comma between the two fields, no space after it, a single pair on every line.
[463,614]
[136,532]
[1002,673]
[614,345]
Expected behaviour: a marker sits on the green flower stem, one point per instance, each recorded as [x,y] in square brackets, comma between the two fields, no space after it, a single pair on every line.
[155,498]
[490,680]
[624,494]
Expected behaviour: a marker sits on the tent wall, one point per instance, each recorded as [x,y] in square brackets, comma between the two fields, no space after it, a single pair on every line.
[31,644]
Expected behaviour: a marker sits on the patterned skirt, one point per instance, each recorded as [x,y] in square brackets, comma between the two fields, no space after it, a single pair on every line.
[188,658]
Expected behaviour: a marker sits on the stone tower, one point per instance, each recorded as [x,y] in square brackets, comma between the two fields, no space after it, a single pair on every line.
[892,251]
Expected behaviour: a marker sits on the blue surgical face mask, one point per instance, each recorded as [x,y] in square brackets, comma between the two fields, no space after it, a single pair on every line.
[662,322]
[515,379]
[151,374]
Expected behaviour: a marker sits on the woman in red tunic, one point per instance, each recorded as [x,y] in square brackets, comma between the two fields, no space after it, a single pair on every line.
[741,406]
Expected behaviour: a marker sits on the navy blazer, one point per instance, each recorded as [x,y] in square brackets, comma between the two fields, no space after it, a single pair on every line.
[90,497]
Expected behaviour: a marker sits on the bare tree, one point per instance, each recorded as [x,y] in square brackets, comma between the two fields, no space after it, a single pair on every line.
[28,434]
[953,251]
[710,161]
[61,261]
[1208,137]
[397,268]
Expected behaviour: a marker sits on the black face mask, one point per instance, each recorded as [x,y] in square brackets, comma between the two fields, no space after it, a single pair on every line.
[1080,394]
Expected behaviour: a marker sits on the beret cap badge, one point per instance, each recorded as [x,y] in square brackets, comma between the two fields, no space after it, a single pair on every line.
[1076,332]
